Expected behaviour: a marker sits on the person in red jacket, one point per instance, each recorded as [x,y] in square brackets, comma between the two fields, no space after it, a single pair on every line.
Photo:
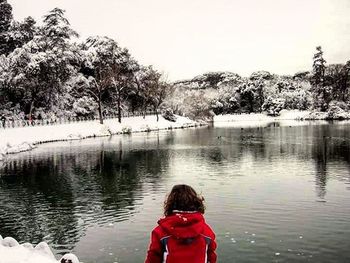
[182,236]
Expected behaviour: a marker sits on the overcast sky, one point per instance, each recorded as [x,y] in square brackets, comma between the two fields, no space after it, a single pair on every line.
[185,38]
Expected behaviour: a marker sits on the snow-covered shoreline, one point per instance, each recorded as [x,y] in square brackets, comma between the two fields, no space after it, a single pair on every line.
[284,115]
[286,118]
[17,140]
[13,252]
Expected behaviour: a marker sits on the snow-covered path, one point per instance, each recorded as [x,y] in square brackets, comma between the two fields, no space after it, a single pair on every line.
[16,140]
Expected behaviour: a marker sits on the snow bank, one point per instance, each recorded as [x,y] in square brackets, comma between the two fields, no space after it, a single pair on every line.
[286,118]
[292,115]
[23,139]
[12,252]
[241,117]
[284,115]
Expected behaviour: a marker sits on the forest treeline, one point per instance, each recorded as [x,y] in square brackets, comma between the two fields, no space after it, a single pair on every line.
[324,89]
[46,70]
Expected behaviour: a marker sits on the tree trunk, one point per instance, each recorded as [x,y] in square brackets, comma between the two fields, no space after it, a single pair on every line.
[100,111]
[251,105]
[31,107]
[132,108]
[144,109]
[119,109]
[156,110]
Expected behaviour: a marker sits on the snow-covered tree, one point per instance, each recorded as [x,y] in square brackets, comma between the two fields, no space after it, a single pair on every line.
[152,89]
[39,69]
[5,23]
[322,92]
[137,97]
[273,106]
[197,105]
[252,94]
[337,76]
[56,29]
[257,75]
[20,33]
[4,81]
[319,66]
[6,15]
[108,69]
[85,106]
[38,76]
[158,94]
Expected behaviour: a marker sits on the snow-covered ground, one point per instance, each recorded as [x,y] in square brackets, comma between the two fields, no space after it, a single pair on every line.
[12,252]
[286,118]
[16,140]
[284,115]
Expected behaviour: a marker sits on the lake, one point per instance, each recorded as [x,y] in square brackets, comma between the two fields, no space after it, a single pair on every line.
[275,192]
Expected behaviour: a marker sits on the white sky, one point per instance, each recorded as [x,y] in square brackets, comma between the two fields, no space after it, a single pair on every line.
[184,38]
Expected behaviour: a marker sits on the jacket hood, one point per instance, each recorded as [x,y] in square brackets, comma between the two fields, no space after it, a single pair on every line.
[183,224]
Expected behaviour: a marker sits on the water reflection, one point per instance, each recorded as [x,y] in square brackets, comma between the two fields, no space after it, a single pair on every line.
[330,145]
[57,195]
[37,198]
[321,143]
[56,192]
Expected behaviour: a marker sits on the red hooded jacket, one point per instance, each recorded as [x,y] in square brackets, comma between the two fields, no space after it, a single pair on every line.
[182,237]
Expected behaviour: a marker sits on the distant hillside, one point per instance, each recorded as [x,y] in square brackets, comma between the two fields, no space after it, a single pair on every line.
[227,92]
[210,80]
[220,79]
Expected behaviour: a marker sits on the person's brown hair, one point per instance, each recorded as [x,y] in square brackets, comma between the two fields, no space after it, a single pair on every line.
[183,198]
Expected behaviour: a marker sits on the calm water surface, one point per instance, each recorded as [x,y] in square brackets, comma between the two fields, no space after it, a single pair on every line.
[274,192]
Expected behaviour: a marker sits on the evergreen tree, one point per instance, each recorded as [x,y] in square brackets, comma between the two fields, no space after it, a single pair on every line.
[319,66]
[5,23]
[6,15]
[321,92]
[57,28]
[20,33]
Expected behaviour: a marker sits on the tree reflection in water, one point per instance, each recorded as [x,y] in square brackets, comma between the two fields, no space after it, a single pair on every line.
[57,195]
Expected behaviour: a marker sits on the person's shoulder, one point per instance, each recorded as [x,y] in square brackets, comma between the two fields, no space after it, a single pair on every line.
[158,231]
[208,231]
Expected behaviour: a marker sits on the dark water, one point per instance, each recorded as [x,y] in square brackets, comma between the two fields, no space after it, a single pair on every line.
[269,189]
